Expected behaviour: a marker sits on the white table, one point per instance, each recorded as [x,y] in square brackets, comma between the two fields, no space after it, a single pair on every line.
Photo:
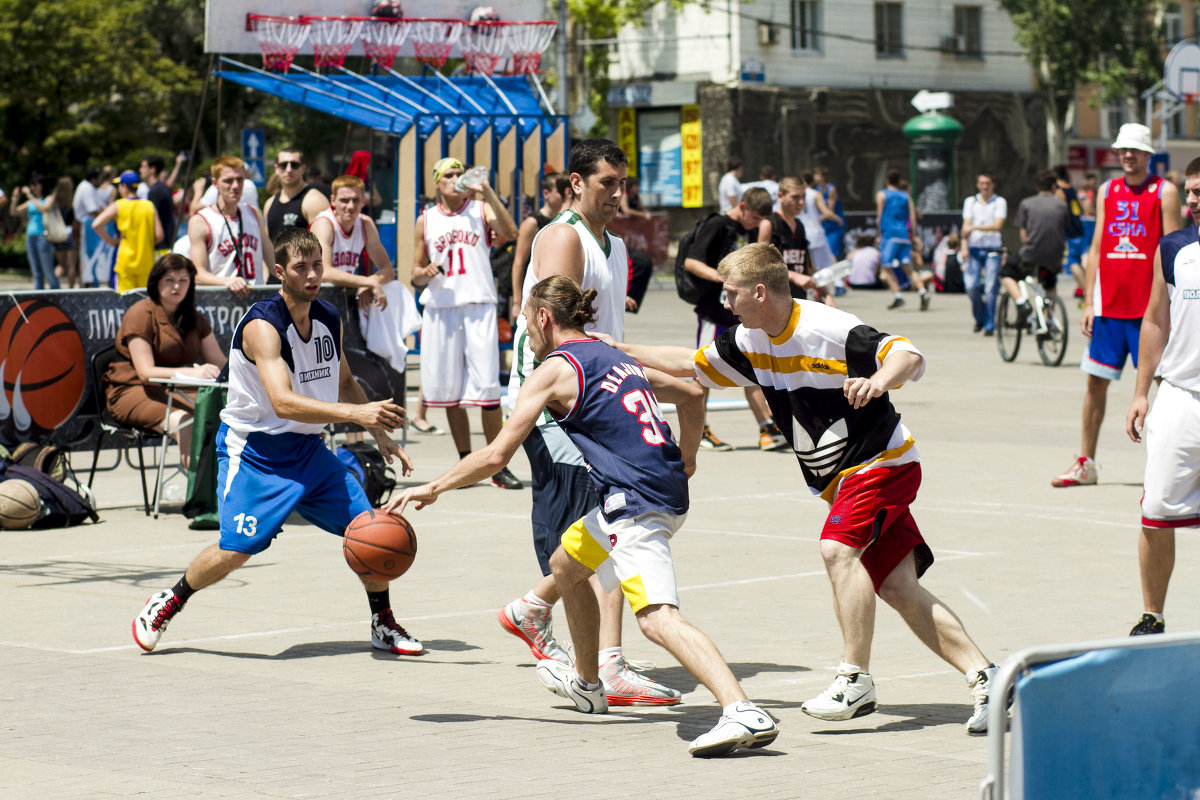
[172,385]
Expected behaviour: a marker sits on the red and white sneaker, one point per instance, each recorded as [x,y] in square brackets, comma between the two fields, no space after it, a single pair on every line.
[149,625]
[387,634]
[1082,473]
[625,687]
[531,624]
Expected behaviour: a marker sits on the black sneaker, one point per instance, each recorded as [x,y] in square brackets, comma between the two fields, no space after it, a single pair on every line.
[925,301]
[1022,314]
[506,480]
[896,302]
[1148,624]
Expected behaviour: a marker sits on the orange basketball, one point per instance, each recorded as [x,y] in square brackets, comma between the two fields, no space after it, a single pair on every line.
[379,546]
[44,372]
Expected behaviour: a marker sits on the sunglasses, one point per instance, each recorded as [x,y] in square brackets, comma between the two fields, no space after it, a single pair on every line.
[289,164]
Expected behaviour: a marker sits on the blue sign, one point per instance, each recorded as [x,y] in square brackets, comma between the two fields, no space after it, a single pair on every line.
[253,144]
[254,171]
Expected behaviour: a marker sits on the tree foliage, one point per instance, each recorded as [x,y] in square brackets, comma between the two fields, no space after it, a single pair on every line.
[1115,44]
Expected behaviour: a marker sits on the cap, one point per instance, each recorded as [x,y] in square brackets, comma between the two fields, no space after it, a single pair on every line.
[445,165]
[129,178]
[1133,136]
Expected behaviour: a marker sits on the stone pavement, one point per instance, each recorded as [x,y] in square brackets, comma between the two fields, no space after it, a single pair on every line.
[267,687]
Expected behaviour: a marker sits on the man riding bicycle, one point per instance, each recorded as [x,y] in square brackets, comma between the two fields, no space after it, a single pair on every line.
[1042,220]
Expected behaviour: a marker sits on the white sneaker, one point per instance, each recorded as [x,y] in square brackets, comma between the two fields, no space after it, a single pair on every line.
[387,634]
[149,625]
[850,695]
[625,687]
[561,679]
[1081,473]
[531,624]
[981,687]
[745,725]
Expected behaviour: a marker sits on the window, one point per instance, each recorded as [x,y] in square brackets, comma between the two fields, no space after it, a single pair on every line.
[968,30]
[806,22]
[889,40]
[1173,24]
[1112,117]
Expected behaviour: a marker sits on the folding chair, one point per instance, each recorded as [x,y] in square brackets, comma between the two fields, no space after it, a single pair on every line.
[109,427]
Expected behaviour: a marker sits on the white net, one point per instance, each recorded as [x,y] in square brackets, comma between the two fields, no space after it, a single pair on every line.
[433,38]
[484,45]
[382,39]
[527,41]
[279,38]
[332,38]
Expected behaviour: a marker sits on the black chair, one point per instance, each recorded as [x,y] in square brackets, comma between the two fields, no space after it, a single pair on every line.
[109,427]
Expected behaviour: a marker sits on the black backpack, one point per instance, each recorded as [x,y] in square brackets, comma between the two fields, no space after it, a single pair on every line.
[62,506]
[377,478]
[690,288]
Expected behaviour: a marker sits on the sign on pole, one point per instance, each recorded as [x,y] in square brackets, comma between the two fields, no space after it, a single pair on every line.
[253,146]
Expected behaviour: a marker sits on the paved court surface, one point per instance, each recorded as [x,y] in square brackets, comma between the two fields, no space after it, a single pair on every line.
[266,686]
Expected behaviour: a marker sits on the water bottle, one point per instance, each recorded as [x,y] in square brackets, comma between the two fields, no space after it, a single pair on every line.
[471,179]
[833,275]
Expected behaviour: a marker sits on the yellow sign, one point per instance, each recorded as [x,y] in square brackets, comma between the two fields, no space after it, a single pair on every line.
[693,161]
[627,137]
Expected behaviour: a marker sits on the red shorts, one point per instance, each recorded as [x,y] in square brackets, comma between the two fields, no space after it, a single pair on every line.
[870,513]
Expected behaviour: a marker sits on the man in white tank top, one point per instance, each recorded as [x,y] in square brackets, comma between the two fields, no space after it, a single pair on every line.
[1169,348]
[287,380]
[227,242]
[350,244]
[578,246]
[460,351]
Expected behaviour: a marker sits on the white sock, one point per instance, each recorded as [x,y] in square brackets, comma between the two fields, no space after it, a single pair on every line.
[533,600]
[587,687]
[846,668]
[608,653]
[1157,617]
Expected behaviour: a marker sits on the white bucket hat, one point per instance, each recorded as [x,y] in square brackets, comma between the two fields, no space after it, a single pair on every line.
[1134,136]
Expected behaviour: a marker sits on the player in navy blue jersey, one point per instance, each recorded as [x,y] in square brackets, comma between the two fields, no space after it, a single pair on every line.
[287,380]
[605,402]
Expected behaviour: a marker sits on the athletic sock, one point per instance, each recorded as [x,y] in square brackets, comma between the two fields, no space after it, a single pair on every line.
[846,668]
[533,600]
[608,653]
[587,687]
[463,454]
[183,590]
[766,423]
[1157,617]
[380,601]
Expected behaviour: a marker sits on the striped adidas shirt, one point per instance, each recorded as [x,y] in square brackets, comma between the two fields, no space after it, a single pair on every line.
[802,372]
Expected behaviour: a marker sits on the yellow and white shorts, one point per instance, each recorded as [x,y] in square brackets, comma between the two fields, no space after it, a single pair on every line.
[633,553]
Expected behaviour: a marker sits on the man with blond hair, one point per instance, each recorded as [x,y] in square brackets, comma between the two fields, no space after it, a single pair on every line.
[228,242]
[350,247]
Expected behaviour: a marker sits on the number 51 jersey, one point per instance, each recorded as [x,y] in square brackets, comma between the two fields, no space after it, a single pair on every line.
[314,366]
[616,423]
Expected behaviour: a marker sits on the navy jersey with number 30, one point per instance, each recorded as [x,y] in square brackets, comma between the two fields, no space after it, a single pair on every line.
[616,423]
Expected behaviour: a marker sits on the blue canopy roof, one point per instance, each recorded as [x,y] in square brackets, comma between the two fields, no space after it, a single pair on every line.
[392,103]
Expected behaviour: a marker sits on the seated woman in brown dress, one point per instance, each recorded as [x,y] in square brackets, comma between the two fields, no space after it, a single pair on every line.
[162,336]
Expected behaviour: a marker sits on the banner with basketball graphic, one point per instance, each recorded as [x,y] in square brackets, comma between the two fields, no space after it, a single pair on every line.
[48,340]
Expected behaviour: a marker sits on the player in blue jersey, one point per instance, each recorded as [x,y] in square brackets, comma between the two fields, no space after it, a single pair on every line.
[287,380]
[605,403]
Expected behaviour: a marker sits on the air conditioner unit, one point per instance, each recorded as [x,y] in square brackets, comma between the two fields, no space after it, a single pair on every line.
[952,44]
[768,34]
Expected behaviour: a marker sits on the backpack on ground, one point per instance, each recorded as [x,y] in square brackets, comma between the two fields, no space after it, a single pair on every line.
[365,461]
[43,457]
[690,288]
[62,506]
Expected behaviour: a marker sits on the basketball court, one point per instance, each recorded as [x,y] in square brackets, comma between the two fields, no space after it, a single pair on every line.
[266,686]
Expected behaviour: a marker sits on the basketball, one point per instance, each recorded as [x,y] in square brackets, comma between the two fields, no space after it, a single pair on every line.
[43,367]
[20,505]
[379,546]
[388,9]
[484,14]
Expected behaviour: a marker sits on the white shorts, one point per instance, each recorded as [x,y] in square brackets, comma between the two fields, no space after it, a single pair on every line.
[633,553]
[1171,490]
[460,356]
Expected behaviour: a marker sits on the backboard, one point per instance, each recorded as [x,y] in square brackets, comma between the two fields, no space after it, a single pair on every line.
[1181,70]
[225,20]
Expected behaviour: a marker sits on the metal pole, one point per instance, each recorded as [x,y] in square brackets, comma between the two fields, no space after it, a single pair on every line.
[563,108]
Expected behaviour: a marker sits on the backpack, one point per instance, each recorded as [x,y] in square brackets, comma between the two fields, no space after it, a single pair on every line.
[43,457]
[62,506]
[690,288]
[368,466]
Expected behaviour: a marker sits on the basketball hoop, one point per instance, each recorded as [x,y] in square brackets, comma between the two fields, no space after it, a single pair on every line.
[278,37]
[1190,98]
[382,38]
[433,38]
[527,41]
[484,45]
[332,38]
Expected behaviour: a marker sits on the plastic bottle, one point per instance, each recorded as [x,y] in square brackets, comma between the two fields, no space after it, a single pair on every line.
[833,275]
[471,179]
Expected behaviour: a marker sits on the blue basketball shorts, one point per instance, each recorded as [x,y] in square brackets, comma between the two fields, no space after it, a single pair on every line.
[1075,249]
[1112,341]
[262,478]
[894,252]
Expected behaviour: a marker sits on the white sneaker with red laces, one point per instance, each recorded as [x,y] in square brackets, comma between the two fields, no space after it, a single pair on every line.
[1082,473]
[625,686]
[387,634]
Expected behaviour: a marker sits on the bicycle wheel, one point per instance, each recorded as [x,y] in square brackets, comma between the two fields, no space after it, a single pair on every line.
[1052,345]
[1008,333]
